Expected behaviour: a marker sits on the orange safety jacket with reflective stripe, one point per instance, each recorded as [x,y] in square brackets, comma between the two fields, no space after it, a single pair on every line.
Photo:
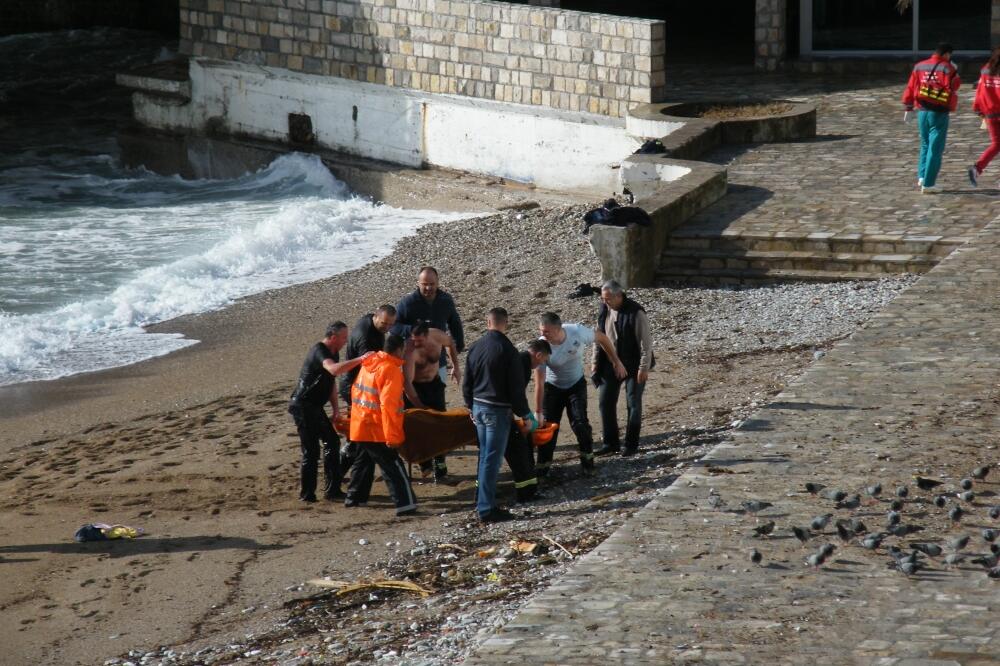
[377,401]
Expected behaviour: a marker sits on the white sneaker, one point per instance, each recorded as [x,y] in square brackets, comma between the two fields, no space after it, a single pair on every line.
[930,189]
[920,182]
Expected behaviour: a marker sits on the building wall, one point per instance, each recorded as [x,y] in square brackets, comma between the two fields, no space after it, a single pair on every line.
[490,50]
[20,16]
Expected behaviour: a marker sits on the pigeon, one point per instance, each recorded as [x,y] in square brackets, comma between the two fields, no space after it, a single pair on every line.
[989,535]
[966,484]
[893,518]
[754,506]
[980,472]
[967,496]
[953,559]
[940,501]
[844,532]
[858,526]
[872,541]
[956,513]
[853,503]
[929,549]
[902,530]
[896,505]
[715,501]
[827,549]
[993,573]
[820,522]
[765,529]
[960,542]
[995,548]
[909,568]
[813,488]
[816,560]
[874,491]
[995,512]
[755,556]
[835,495]
[802,534]
[927,484]
[902,491]
[988,561]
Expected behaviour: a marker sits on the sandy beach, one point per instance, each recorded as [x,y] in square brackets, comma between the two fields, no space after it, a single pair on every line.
[197,449]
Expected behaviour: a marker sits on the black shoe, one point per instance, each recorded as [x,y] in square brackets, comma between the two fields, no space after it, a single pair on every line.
[630,451]
[335,496]
[308,499]
[408,512]
[497,515]
[440,473]
[350,504]
[588,467]
[607,450]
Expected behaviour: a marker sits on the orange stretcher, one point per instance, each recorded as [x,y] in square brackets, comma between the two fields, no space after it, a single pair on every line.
[431,433]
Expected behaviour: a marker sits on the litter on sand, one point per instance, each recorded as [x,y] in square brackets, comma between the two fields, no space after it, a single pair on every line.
[104,532]
[343,587]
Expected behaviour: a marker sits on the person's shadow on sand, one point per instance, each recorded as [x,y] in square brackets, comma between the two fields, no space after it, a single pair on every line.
[140,546]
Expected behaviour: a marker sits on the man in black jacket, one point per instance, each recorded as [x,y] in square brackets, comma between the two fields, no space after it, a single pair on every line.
[428,303]
[625,323]
[520,455]
[494,389]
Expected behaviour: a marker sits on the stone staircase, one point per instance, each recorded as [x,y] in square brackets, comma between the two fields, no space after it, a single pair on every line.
[702,257]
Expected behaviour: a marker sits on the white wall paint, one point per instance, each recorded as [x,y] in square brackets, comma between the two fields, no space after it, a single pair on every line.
[546,147]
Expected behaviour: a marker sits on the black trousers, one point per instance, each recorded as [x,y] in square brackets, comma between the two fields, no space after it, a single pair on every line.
[432,395]
[314,425]
[370,454]
[574,401]
[521,460]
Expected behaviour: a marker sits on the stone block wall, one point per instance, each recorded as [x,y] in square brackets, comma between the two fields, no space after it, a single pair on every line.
[492,50]
[770,34]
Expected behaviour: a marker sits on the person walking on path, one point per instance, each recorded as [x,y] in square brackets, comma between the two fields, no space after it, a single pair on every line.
[315,388]
[428,303]
[933,91]
[625,323]
[494,390]
[560,385]
[377,428]
[987,105]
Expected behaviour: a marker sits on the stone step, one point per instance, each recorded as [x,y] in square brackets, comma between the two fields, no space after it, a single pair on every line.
[749,277]
[938,246]
[799,260]
[166,80]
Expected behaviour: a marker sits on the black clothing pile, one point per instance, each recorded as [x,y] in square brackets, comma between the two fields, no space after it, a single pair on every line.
[612,214]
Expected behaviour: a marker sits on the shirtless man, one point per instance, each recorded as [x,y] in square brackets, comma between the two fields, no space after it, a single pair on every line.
[424,388]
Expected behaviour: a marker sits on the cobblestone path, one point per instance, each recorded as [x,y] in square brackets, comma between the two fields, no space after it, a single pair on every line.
[917,392]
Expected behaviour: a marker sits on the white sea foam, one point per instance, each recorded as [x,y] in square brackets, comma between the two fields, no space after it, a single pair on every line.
[153,248]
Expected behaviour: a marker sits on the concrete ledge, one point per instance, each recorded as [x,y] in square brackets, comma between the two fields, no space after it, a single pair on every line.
[162,79]
[631,254]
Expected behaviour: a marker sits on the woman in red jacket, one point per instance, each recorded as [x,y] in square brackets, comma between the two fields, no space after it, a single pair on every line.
[987,105]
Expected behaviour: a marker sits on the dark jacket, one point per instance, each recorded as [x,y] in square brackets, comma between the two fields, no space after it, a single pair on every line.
[494,374]
[364,338]
[441,313]
[627,345]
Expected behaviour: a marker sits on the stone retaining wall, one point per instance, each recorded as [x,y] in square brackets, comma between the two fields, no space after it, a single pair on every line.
[492,50]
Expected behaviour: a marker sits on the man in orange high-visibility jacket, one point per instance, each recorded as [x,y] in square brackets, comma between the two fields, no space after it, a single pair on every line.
[377,428]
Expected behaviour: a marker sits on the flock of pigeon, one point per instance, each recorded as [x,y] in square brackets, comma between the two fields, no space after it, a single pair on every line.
[898,523]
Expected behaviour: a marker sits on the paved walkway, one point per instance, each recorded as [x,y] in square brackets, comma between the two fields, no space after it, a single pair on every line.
[916,392]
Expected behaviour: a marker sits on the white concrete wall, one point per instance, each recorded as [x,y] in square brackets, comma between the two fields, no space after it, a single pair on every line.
[549,148]
[643,177]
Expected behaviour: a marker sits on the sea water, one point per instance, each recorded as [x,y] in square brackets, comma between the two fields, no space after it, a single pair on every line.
[91,252]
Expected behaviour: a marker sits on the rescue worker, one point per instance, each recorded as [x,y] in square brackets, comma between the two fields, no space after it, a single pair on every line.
[520,455]
[494,390]
[315,388]
[625,323]
[560,385]
[429,303]
[933,90]
[377,428]
[987,105]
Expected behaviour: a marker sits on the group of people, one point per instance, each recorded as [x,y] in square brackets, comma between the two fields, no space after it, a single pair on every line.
[399,357]
[933,91]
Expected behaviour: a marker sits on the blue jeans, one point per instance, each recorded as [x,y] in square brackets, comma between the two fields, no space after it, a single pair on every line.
[933,127]
[492,429]
[608,401]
